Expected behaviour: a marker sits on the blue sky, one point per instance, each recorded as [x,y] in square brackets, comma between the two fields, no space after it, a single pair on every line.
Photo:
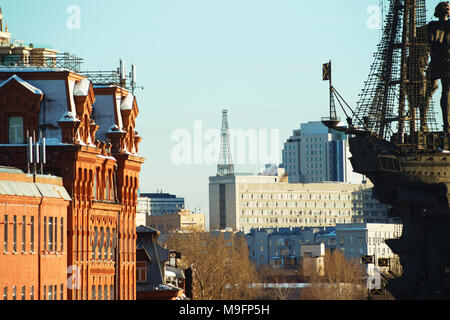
[260,59]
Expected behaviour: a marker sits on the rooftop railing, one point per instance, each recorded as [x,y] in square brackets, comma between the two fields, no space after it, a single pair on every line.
[57,60]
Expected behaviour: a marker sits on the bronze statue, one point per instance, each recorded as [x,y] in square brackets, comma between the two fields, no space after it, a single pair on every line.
[438,68]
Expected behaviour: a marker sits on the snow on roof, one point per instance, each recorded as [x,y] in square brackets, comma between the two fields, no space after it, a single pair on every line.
[127,102]
[82,88]
[22,82]
[68,117]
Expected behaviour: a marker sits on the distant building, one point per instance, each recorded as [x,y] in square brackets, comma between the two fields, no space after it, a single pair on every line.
[245,202]
[285,247]
[183,221]
[315,153]
[159,203]
[356,240]
[33,233]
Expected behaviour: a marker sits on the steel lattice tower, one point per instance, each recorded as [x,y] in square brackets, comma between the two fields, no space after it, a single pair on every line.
[225,166]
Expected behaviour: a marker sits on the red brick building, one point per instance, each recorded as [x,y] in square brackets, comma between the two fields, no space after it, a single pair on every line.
[92,144]
[33,236]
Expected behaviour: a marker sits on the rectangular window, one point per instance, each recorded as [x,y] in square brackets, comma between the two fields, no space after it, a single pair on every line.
[50,291]
[62,292]
[56,234]
[16,130]
[24,230]
[94,187]
[14,293]
[45,233]
[15,234]
[45,293]
[62,234]
[5,240]
[50,234]
[55,293]
[32,234]
[32,292]
[141,272]
[23,292]
[5,293]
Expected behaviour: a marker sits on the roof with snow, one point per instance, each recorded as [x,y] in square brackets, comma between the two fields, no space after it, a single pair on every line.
[23,83]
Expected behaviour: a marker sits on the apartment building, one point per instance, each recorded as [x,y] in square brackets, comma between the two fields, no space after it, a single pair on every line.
[245,202]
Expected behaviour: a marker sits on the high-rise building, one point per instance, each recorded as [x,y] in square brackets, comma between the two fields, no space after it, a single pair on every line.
[315,153]
[243,202]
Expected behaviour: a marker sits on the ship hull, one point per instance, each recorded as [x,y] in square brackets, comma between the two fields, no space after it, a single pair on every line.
[416,185]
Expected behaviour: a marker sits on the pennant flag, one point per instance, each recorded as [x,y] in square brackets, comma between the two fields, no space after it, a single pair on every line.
[326,71]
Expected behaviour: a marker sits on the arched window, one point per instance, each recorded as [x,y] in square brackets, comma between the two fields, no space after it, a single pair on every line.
[93,293]
[111,292]
[94,245]
[100,249]
[108,240]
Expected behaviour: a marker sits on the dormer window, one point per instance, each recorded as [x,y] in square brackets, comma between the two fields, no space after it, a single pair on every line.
[16,130]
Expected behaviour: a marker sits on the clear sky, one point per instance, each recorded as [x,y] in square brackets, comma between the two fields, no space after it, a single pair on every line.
[259,59]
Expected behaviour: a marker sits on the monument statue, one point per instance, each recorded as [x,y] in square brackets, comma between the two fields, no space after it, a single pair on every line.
[438,69]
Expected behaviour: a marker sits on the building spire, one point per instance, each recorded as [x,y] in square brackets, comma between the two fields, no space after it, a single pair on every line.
[225,166]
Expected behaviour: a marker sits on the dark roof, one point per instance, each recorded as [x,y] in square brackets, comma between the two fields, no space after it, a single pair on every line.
[144,229]
[158,195]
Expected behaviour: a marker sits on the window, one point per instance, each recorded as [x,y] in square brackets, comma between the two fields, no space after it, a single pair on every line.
[50,233]
[45,233]
[16,130]
[32,234]
[111,292]
[24,224]
[93,292]
[62,234]
[15,234]
[5,240]
[45,293]
[62,292]
[56,235]
[5,293]
[32,292]
[14,293]
[141,272]
[105,290]
[50,291]
[99,292]
[23,293]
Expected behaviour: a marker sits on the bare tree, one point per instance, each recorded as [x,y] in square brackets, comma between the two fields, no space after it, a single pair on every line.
[222,268]
[343,279]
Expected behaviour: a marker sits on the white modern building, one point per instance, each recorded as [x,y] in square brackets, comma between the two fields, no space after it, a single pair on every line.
[315,153]
[156,204]
[243,202]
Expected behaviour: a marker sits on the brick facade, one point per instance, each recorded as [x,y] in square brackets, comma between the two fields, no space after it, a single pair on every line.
[100,174]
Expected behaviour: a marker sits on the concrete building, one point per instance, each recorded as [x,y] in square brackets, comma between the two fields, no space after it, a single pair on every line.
[33,233]
[368,239]
[245,202]
[315,153]
[159,203]
[285,247]
[182,221]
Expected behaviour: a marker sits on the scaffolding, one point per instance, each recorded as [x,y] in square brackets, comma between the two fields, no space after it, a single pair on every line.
[64,60]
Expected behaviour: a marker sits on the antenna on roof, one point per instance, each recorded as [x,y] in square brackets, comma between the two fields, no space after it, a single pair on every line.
[133,79]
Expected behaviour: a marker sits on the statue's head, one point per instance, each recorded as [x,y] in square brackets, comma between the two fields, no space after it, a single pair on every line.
[442,9]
